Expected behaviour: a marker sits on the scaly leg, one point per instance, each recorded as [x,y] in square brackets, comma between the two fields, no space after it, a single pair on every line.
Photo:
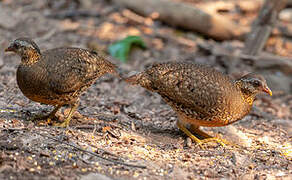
[195,129]
[188,133]
[208,138]
[67,120]
[199,142]
[53,113]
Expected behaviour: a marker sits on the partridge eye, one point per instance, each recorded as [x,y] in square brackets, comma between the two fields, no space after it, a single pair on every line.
[257,83]
[16,45]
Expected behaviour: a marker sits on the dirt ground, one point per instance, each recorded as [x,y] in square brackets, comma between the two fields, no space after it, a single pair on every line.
[122,131]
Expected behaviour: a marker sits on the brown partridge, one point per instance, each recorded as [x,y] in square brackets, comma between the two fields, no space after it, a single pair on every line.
[57,76]
[200,95]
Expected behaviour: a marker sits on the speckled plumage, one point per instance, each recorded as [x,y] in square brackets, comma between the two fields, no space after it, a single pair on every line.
[61,74]
[57,76]
[200,95]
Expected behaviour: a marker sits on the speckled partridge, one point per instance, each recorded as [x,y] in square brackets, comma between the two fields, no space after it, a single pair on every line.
[57,76]
[200,95]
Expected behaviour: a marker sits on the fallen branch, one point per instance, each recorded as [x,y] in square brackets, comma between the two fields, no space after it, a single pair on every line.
[270,61]
[262,61]
[73,14]
[289,2]
[244,6]
[188,17]
[263,26]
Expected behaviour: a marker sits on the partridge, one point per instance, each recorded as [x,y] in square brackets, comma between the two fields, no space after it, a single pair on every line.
[200,95]
[57,76]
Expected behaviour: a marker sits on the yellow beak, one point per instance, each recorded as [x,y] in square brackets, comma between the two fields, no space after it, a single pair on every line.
[268,90]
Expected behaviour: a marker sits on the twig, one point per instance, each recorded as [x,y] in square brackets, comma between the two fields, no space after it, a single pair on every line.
[262,61]
[85,127]
[14,129]
[92,153]
[100,123]
[263,26]
[102,151]
[73,14]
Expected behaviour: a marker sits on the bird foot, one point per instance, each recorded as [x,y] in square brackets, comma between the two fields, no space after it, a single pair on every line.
[48,121]
[62,125]
[218,140]
[207,138]
[68,119]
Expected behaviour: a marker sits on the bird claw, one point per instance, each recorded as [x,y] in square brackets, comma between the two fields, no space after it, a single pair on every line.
[62,125]
[220,141]
[68,119]
[47,122]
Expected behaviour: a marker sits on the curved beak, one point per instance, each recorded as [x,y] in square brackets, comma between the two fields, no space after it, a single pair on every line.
[267,90]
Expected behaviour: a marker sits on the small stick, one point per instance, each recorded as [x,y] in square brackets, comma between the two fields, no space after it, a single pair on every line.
[92,153]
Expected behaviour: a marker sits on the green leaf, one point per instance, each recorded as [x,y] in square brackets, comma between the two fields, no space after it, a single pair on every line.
[121,49]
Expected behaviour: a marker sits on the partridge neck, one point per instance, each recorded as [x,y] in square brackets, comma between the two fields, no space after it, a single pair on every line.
[246,95]
[30,57]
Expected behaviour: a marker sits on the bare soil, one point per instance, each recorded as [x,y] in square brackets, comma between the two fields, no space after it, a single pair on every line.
[122,131]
